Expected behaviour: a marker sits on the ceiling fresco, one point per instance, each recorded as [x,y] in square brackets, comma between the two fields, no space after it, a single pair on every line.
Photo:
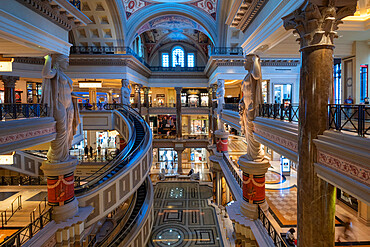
[132,6]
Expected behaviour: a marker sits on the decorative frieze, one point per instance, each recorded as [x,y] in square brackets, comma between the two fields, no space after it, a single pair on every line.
[289,144]
[353,170]
[26,135]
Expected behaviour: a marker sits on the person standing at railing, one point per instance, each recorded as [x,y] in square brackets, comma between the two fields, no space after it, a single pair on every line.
[348,102]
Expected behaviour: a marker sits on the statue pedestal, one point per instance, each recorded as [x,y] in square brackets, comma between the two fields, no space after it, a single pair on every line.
[253,185]
[222,141]
[60,184]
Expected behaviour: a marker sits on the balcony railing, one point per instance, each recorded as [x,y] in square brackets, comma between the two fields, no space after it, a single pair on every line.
[22,180]
[232,106]
[275,236]
[236,175]
[289,112]
[15,111]
[106,50]
[233,51]
[177,69]
[24,234]
[10,211]
[352,118]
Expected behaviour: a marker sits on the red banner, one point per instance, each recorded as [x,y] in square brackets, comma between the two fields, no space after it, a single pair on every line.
[254,188]
[60,189]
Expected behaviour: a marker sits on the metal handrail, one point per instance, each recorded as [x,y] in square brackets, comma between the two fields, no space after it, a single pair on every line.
[236,175]
[4,218]
[177,69]
[26,233]
[128,155]
[271,231]
[38,209]
[231,106]
[20,110]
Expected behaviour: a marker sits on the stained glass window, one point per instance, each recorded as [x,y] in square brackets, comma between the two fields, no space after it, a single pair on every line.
[165,60]
[191,62]
[178,57]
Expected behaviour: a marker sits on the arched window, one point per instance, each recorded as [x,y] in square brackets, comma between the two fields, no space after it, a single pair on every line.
[178,56]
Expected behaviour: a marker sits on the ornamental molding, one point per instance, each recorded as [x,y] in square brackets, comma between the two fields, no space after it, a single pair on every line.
[45,9]
[289,144]
[246,13]
[317,24]
[29,60]
[351,169]
[281,63]
[26,135]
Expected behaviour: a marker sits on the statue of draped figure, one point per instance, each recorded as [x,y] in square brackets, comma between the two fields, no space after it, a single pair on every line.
[248,106]
[62,105]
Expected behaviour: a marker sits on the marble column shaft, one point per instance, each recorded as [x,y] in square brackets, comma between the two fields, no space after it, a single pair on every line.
[138,96]
[179,161]
[9,88]
[316,23]
[146,103]
[214,119]
[178,112]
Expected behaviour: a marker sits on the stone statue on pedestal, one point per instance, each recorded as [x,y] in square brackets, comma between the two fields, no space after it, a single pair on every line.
[220,94]
[57,94]
[126,92]
[252,98]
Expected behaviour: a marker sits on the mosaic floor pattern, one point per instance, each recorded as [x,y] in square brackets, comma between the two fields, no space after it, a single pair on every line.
[182,216]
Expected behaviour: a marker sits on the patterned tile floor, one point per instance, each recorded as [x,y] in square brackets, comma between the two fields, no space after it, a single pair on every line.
[183,217]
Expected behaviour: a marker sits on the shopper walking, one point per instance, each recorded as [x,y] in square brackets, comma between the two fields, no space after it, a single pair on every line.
[86,150]
[91,151]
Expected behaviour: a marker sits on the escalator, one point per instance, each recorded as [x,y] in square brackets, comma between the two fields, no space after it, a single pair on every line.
[116,165]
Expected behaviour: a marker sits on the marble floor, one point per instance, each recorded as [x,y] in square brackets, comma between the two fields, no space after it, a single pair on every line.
[183,216]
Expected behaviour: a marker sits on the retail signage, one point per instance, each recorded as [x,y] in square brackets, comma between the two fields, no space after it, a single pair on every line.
[6,66]
[6,159]
[285,166]
[90,84]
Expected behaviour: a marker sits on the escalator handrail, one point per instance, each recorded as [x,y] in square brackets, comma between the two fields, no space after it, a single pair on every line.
[146,202]
[122,155]
[86,186]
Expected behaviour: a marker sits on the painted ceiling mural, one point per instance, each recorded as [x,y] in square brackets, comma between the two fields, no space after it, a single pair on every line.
[208,6]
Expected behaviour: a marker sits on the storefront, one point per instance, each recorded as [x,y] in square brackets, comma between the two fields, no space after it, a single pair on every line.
[194,97]
[34,89]
[282,93]
[163,124]
[18,95]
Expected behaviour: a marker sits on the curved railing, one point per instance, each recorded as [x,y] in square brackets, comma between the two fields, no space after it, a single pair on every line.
[121,160]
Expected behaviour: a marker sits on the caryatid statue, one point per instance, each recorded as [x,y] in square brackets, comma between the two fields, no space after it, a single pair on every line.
[126,92]
[253,163]
[62,105]
[252,97]
[220,94]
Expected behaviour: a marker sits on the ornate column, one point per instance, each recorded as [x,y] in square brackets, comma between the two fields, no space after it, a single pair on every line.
[146,102]
[34,93]
[210,114]
[179,159]
[92,96]
[214,119]
[315,22]
[125,92]
[220,134]
[9,88]
[178,112]
[138,96]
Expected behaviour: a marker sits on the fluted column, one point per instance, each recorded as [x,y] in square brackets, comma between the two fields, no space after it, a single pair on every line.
[9,88]
[210,114]
[92,95]
[178,112]
[315,23]
[214,119]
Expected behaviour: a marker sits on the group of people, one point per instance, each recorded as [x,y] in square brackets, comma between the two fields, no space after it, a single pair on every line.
[166,125]
[90,150]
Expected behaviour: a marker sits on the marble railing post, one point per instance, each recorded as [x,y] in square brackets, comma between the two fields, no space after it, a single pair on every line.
[315,22]
[178,112]
[9,88]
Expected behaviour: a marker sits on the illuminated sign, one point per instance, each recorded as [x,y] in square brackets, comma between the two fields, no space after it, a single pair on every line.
[90,84]
[6,66]
[6,159]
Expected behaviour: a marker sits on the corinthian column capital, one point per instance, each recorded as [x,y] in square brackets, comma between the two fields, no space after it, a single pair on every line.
[316,21]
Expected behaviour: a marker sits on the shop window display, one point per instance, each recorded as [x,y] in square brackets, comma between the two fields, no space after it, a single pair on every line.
[167,125]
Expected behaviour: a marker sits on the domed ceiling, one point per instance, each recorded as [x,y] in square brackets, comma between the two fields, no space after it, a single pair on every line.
[133,6]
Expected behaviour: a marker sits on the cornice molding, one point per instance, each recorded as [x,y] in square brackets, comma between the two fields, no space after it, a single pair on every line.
[250,14]
[280,62]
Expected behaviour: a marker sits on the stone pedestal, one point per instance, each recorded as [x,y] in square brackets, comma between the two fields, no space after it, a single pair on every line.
[60,184]
[253,186]
[221,141]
